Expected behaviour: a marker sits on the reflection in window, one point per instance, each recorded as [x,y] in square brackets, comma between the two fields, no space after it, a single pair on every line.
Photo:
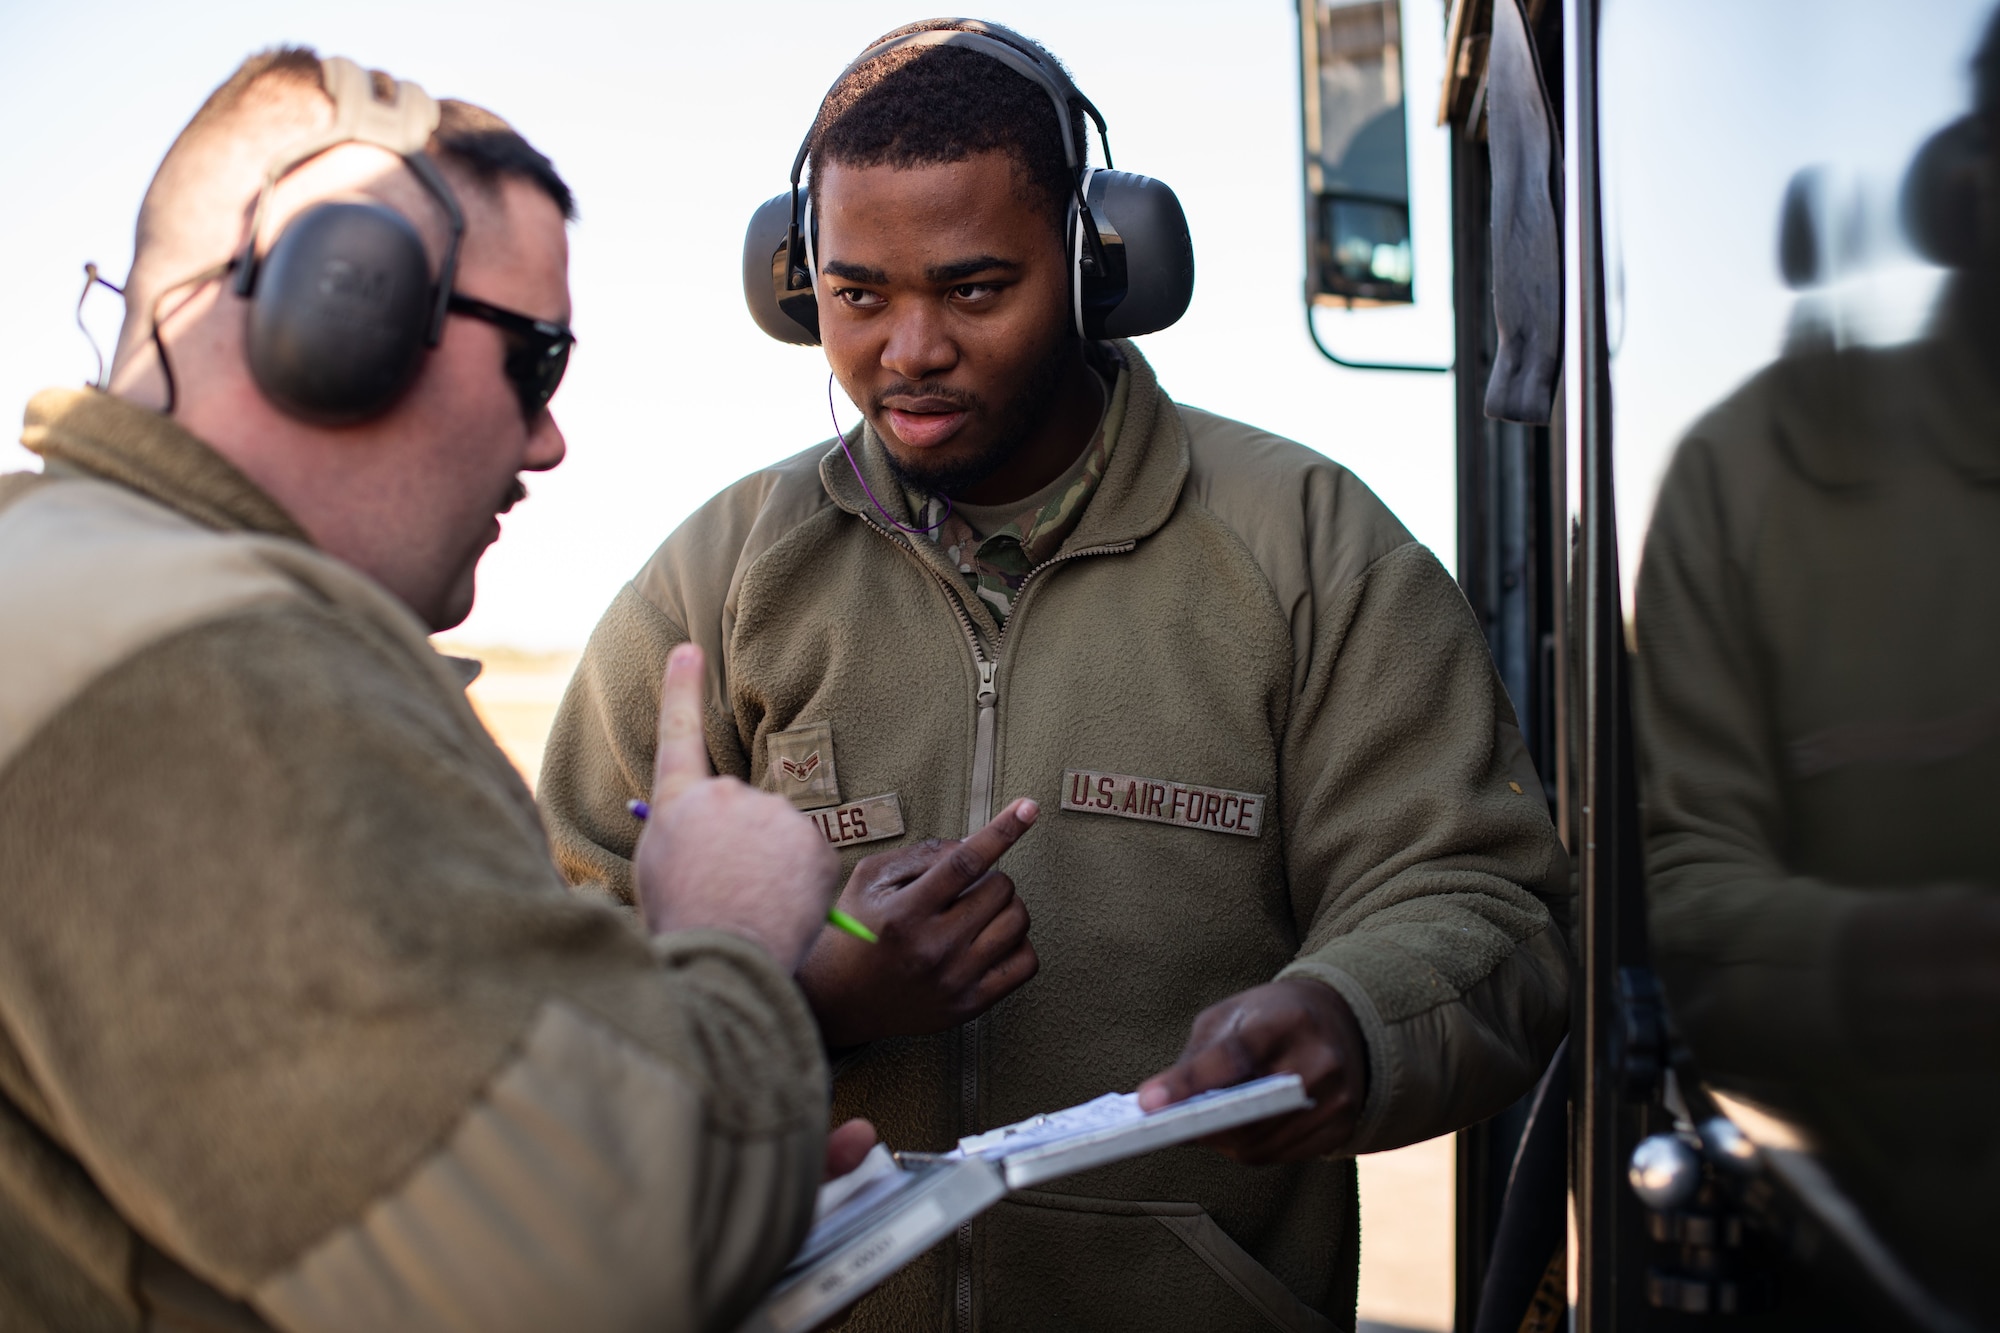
[1811,276]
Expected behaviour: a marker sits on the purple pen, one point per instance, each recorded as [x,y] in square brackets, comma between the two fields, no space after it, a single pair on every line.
[639,809]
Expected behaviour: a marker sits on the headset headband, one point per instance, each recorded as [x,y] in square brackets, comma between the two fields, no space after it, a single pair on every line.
[403,126]
[1011,50]
[1126,242]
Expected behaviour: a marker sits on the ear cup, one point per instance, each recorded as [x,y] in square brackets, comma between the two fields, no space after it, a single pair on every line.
[1148,276]
[1147,269]
[1802,226]
[1943,191]
[788,316]
[1146,286]
[339,312]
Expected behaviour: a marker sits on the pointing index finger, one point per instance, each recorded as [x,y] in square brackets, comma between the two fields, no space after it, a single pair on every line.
[960,867]
[680,757]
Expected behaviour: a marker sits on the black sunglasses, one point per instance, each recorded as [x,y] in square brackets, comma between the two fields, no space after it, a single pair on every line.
[537,351]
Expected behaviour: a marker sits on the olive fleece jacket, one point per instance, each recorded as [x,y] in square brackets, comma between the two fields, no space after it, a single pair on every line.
[1234,615]
[1818,711]
[299,1026]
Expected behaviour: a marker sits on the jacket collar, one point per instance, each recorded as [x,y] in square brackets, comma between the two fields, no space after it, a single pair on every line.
[1962,407]
[100,435]
[1141,485]
[1847,416]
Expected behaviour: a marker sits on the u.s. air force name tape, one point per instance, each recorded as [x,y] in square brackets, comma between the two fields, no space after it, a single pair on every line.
[868,820]
[1185,804]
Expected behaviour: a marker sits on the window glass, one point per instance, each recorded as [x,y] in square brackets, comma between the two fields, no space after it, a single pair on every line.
[1803,271]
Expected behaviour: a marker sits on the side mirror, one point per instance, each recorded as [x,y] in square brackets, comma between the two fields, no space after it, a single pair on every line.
[1356,155]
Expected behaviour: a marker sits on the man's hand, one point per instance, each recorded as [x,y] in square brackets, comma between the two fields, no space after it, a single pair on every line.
[1284,1027]
[718,854]
[953,939]
[846,1146]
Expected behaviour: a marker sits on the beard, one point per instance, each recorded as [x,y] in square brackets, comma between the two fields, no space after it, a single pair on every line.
[1014,422]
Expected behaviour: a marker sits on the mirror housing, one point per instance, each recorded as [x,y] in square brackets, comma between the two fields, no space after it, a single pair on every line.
[1357,172]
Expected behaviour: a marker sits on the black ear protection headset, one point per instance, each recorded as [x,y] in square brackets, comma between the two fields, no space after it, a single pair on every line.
[342,307]
[1131,259]
[1945,194]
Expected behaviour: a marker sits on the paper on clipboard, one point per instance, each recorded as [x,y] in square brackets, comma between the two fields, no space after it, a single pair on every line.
[888,1211]
[1112,1128]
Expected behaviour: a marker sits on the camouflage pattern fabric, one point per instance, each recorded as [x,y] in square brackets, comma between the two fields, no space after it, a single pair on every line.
[996,567]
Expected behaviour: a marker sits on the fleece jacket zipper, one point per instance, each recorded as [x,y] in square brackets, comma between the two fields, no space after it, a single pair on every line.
[987,702]
[979,811]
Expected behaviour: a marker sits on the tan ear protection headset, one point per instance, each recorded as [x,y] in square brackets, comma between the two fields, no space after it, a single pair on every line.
[342,306]
[1131,259]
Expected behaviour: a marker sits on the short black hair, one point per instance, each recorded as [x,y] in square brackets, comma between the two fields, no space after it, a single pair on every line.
[921,105]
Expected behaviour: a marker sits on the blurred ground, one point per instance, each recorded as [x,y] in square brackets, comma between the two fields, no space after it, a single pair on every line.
[516,697]
[1406,1238]
[1406,1195]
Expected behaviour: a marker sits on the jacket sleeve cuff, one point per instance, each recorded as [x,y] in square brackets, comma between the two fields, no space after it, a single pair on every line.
[1381,1045]
[1440,1067]
[727,964]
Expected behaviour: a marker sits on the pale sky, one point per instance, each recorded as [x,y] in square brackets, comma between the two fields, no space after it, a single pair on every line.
[672,122]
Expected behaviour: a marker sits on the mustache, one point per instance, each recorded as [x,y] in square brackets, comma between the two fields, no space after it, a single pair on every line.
[958,398]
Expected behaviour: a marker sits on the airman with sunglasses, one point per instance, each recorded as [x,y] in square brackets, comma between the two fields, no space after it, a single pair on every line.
[299,1027]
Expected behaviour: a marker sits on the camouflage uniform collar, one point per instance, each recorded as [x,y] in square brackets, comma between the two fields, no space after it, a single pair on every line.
[997,564]
[1144,472]
[1022,513]
[104,436]
[1143,477]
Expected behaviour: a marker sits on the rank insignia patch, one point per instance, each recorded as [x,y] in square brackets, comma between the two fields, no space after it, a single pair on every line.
[802,769]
